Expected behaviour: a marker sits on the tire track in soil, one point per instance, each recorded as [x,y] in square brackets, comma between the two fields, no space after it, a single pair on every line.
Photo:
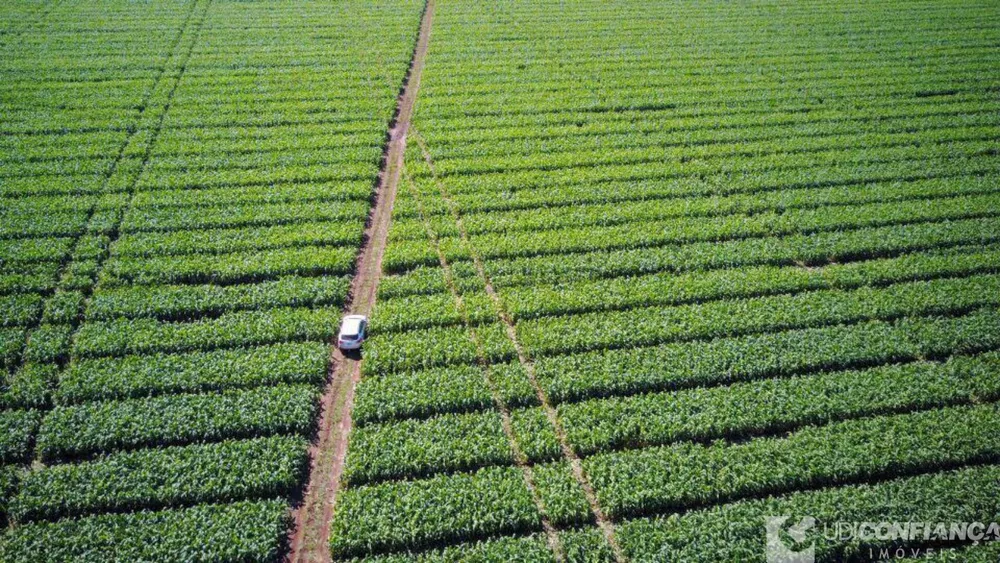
[604,523]
[311,532]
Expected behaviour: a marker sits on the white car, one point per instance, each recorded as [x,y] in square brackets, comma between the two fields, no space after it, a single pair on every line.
[352,332]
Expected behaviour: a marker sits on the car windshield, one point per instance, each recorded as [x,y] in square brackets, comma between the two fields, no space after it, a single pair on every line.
[349,336]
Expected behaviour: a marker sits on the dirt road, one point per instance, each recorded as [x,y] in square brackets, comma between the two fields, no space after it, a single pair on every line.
[312,519]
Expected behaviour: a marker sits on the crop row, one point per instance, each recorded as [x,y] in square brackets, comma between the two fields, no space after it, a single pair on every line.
[242,328]
[644,327]
[17,429]
[653,132]
[35,249]
[742,358]
[90,428]
[659,209]
[424,393]
[256,176]
[99,379]
[421,311]
[34,186]
[11,343]
[684,230]
[225,241]
[174,302]
[286,157]
[774,405]
[22,224]
[493,501]
[963,495]
[695,101]
[19,309]
[671,289]
[28,387]
[241,215]
[686,475]
[747,192]
[237,267]
[811,249]
[786,175]
[219,141]
[622,92]
[28,278]
[246,530]
[268,194]
[422,349]
[712,158]
[408,254]
[283,113]
[600,204]
[691,120]
[446,443]
[159,478]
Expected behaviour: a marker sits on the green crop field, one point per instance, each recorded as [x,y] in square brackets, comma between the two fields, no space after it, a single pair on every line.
[184,188]
[656,271]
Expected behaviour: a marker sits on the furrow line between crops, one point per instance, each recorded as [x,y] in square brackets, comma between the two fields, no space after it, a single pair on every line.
[603,522]
[520,459]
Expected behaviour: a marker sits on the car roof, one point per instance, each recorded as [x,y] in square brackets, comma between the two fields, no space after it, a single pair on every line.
[352,322]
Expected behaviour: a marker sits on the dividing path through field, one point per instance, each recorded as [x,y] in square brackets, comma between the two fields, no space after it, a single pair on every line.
[312,519]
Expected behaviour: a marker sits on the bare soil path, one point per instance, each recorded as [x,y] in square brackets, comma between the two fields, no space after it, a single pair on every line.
[310,540]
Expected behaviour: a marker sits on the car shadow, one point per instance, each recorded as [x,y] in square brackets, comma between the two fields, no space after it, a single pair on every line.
[352,354]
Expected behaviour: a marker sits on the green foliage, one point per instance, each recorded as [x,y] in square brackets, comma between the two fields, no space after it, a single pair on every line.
[19,309]
[90,428]
[531,548]
[727,318]
[184,302]
[774,405]
[245,530]
[48,343]
[244,328]
[535,435]
[724,360]
[99,379]
[811,249]
[732,531]
[17,432]
[561,495]
[28,387]
[686,475]
[424,393]
[669,289]
[238,267]
[586,546]
[254,214]
[225,241]
[415,448]
[432,347]
[11,344]
[419,514]
[63,307]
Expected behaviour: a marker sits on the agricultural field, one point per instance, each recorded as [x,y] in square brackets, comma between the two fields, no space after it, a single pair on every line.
[654,272]
[657,271]
[183,191]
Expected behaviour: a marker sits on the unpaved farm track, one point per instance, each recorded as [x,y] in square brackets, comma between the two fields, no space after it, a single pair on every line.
[311,534]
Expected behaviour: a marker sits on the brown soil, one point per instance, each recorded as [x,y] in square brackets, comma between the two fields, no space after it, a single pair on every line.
[310,540]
